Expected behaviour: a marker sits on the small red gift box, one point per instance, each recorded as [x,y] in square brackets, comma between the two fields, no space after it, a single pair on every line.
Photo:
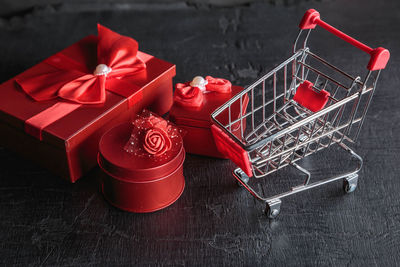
[55,112]
[193,104]
[142,164]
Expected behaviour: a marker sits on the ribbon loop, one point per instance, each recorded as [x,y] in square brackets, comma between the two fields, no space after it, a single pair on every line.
[218,85]
[190,94]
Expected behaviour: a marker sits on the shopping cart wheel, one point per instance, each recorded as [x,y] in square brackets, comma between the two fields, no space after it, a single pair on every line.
[350,183]
[273,208]
[240,175]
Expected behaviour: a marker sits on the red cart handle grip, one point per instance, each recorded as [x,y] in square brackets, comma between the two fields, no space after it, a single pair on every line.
[379,56]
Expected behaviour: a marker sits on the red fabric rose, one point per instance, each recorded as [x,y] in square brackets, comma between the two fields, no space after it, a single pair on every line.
[156,141]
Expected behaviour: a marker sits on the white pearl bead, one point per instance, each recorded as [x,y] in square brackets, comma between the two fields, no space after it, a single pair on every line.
[199,82]
[102,69]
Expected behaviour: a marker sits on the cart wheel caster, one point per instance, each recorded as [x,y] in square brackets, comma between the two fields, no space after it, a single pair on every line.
[273,209]
[350,184]
[240,175]
[271,213]
[244,179]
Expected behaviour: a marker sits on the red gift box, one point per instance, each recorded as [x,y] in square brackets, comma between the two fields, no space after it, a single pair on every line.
[192,109]
[142,164]
[63,134]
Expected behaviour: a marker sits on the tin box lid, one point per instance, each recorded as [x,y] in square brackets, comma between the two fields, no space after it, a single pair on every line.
[130,167]
[201,117]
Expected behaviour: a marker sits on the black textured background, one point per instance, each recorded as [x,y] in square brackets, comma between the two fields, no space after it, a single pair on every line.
[46,221]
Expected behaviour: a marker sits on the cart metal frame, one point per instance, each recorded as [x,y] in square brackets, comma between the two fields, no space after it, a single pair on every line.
[276,131]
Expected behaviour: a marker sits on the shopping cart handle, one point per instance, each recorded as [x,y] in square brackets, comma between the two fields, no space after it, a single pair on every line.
[379,56]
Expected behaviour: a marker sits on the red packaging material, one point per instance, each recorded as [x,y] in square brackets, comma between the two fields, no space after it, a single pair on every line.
[63,135]
[308,98]
[191,111]
[142,164]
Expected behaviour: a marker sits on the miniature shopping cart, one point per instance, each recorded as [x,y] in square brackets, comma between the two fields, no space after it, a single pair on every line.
[302,106]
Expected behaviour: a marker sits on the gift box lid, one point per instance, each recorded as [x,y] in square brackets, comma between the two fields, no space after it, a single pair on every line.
[17,107]
[200,117]
[131,167]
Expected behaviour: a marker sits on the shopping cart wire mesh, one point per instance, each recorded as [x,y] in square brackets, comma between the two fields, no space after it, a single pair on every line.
[302,106]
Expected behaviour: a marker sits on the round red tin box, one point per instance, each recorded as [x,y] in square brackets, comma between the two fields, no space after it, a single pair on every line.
[139,183]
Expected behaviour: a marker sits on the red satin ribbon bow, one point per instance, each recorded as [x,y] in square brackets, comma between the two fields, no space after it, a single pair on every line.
[73,81]
[190,96]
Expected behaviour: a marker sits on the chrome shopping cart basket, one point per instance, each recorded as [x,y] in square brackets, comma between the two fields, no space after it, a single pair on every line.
[302,106]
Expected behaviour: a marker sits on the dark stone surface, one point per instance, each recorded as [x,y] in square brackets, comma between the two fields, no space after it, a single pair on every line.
[12,7]
[46,221]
